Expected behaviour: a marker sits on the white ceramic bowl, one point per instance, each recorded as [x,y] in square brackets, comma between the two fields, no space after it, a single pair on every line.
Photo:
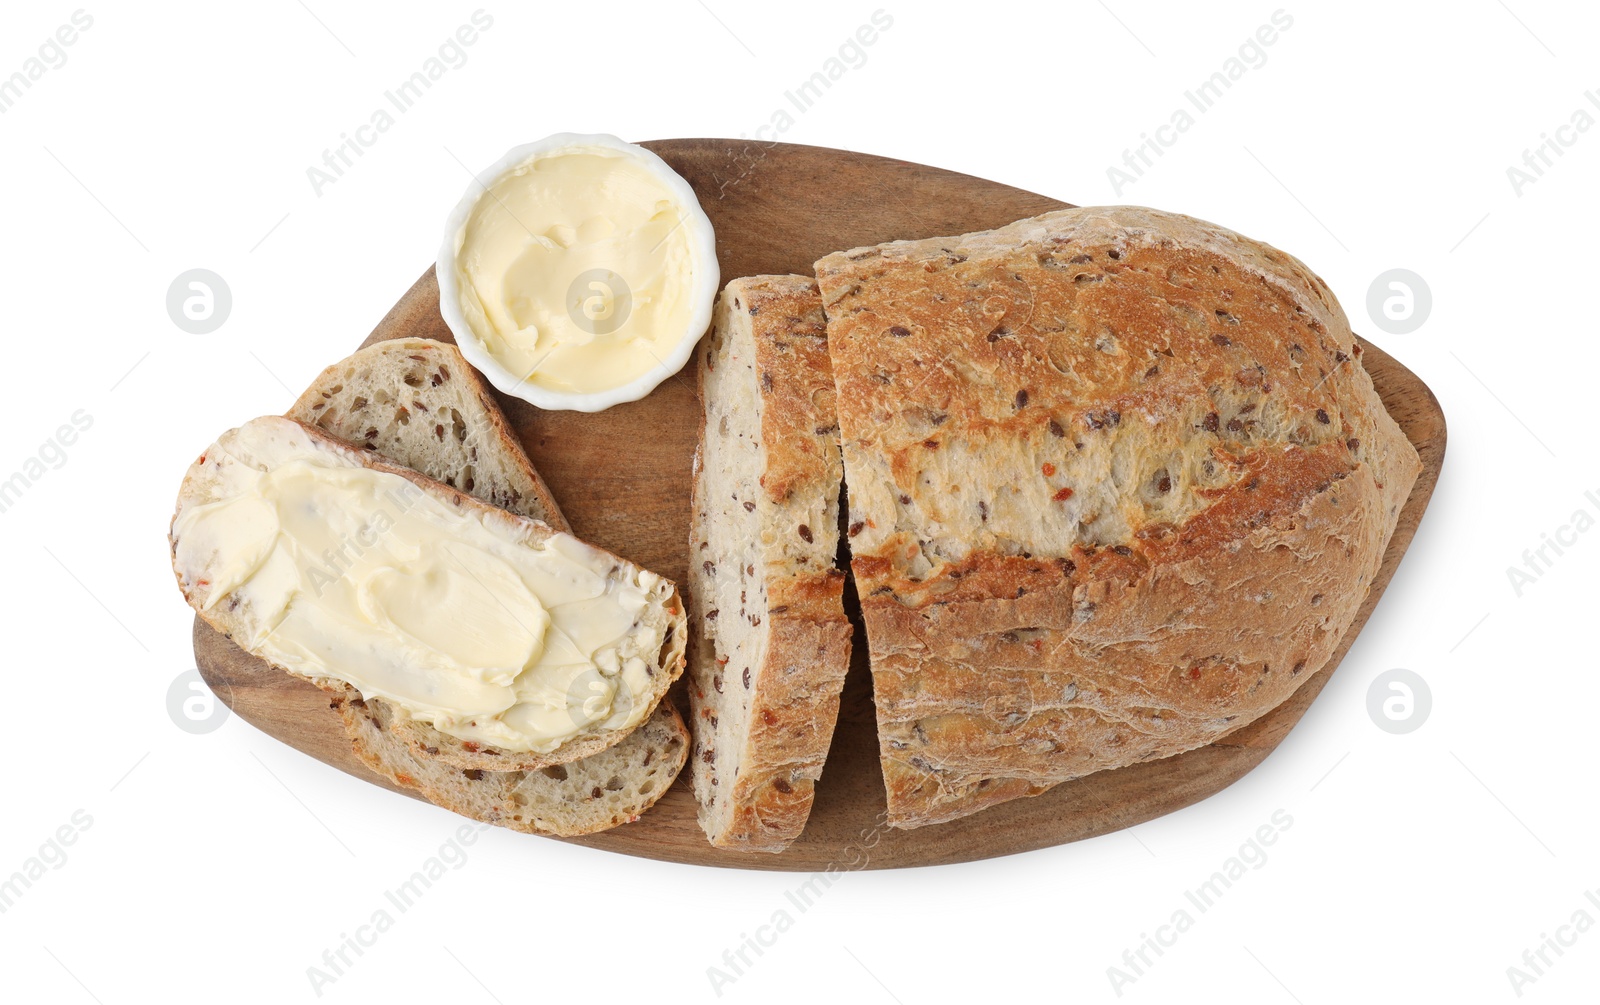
[704,279]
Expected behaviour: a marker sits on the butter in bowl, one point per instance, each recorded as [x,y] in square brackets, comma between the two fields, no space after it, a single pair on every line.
[578,272]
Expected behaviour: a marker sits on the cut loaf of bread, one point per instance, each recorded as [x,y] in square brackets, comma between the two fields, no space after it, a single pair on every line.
[274,436]
[1118,485]
[420,399]
[772,643]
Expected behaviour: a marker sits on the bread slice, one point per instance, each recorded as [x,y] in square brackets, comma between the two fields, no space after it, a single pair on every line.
[270,440]
[769,659]
[592,794]
[420,399]
[1118,484]
[581,797]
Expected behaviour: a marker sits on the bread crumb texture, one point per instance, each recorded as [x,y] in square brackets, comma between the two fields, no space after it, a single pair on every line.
[768,660]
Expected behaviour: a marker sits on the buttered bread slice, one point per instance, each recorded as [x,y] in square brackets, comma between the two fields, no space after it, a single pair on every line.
[376,399]
[492,629]
[772,643]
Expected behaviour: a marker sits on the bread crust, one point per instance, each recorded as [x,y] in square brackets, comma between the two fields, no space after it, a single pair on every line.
[423,739]
[1118,483]
[757,798]
[596,793]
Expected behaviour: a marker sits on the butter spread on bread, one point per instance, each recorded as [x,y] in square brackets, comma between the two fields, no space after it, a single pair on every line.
[1118,484]
[491,628]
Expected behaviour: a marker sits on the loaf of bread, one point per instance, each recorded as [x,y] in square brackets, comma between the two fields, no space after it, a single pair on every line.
[420,399]
[241,455]
[583,796]
[1118,483]
[771,641]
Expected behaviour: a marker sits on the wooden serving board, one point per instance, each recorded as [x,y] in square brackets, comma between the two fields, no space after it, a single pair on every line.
[622,478]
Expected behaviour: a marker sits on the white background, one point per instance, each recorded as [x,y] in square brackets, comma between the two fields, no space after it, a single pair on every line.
[221,866]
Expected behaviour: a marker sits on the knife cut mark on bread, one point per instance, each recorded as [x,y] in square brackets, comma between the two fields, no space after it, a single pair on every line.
[1118,483]
[769,660]
[420,403]
[270,442]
